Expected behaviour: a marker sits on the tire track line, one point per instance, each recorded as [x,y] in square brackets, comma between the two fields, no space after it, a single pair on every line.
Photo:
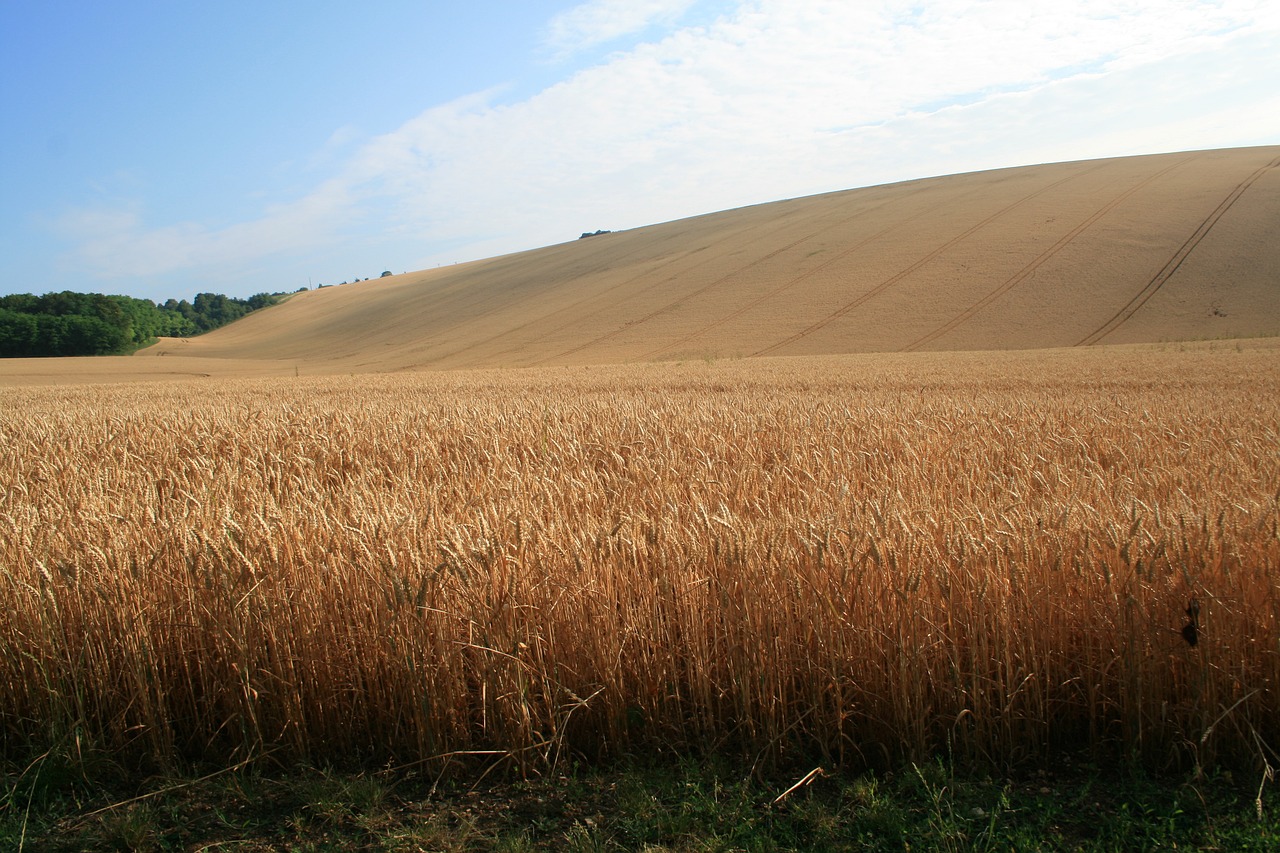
[686,297]
[1024,273]
[592,270]
[535,321]
[793,282]
[899,276]
[1122,316]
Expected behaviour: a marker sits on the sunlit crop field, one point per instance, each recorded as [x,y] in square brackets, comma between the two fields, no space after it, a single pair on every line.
[857,560]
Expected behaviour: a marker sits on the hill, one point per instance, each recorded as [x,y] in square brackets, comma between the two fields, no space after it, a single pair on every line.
[1127,250]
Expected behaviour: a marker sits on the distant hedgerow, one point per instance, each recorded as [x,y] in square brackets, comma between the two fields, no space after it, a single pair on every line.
[69,323]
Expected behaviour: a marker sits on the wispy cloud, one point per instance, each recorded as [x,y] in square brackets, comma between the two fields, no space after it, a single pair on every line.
[777,99]
[114,243]
[600,21]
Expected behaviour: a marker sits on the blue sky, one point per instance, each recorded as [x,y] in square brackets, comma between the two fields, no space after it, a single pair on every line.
[161,149]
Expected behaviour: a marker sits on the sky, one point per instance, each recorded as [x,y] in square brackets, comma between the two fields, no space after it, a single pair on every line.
[162,149]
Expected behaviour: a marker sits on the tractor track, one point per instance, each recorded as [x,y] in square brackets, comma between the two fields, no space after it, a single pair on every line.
[657,311]
[597,268]
[1166,272]
[687,296]
[900,275]
[1024,273]
[794,281]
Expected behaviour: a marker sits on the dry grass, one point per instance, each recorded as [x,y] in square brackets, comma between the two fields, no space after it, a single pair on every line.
[863,559]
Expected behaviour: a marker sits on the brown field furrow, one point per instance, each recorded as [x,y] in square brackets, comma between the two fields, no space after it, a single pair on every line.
[732,275]
[572,314]
[683,294]
[595,303]
[582,300]
[1040,259]
[907,271]
[911,221]
[670,306]
[1135,304]
[744,306]
[593,309]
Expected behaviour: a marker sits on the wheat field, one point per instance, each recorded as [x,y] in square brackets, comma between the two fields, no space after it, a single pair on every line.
[857,559]
[1119,251]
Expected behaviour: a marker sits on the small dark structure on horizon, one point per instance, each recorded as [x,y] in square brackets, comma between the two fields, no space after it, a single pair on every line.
[586,234]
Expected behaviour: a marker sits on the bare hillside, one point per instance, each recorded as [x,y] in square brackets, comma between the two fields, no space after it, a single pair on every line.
[1167,247]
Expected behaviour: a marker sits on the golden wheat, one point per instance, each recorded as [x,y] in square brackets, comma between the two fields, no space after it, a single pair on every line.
[866,559]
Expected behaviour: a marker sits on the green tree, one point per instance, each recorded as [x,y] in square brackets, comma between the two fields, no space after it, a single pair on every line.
[19,334]
[70,323]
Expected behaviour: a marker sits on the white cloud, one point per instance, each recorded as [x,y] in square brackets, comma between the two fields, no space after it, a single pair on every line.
[115,243]
[750,109]
[599,21]
[778,99]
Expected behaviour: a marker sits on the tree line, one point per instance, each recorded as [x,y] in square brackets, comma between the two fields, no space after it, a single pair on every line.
[69,323]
